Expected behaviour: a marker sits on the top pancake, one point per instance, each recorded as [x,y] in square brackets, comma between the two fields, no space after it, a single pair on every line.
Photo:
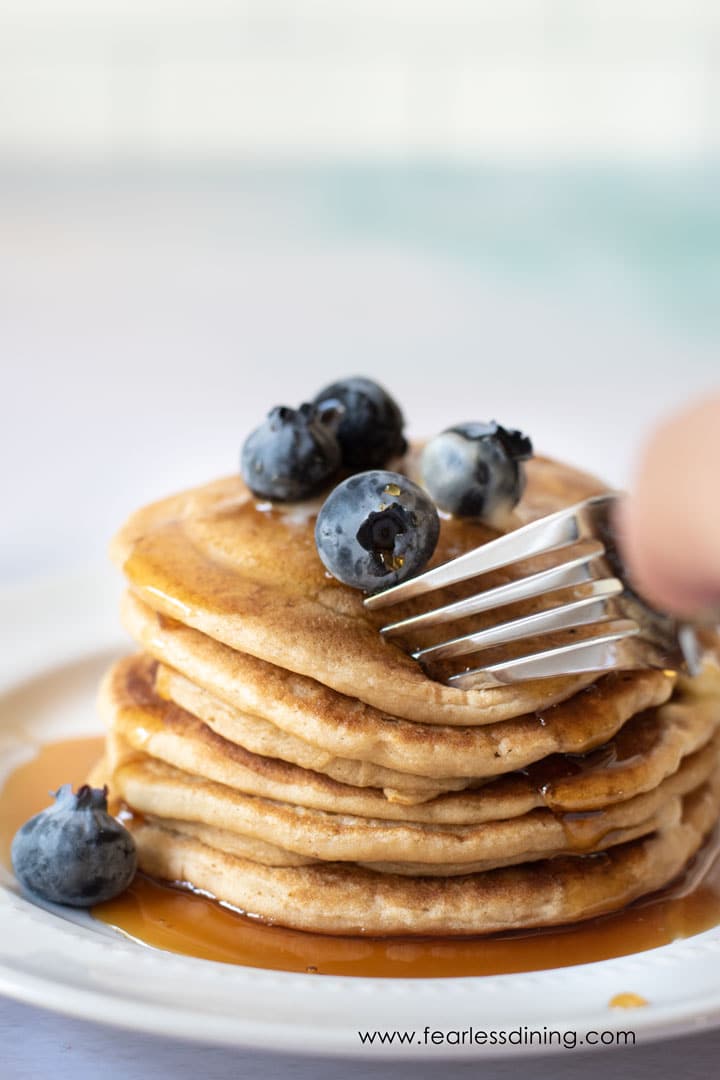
[250,577]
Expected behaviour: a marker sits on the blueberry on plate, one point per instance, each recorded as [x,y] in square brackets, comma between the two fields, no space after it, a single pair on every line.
[74,852]
[294,454]
[475,470]
[375,529]
[371,427]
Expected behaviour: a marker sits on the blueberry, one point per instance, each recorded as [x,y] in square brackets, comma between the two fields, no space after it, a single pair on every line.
[371,427]
[74,852]
[376,529]
[475,470]
[293,454]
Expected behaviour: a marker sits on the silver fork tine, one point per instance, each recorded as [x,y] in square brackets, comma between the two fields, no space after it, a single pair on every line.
[631,634]
[602,653]
[573,572]
[590,609]
[546,534]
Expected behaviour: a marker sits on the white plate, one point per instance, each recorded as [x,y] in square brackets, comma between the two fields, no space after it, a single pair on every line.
[64,633]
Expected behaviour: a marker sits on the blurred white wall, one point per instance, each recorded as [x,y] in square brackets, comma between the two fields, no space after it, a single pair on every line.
[637,79]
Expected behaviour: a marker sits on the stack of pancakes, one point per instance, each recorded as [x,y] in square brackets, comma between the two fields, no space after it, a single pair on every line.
[278,754]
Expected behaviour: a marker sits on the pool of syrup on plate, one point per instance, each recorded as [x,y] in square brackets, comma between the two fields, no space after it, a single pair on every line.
[183,922]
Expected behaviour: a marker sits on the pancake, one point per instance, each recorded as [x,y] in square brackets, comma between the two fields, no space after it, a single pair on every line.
[349,728]
[337,898]
[153,787]
[130,706]
[270,855]
[130,686]
[648,748]
[233,843]
[250,577]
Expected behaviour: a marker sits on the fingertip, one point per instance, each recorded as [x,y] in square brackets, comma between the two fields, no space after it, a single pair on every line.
[669,527]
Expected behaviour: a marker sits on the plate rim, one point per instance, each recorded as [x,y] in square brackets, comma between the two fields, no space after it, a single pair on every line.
[86,600]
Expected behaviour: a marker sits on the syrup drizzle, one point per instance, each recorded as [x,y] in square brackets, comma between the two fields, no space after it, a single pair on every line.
[181,921]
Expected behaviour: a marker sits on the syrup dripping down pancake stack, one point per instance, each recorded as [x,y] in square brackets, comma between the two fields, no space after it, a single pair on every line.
[275,752]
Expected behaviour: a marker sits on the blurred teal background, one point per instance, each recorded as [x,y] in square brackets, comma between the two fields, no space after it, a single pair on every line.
[647,238]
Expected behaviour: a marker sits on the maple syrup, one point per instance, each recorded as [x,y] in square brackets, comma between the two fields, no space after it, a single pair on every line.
[184,922]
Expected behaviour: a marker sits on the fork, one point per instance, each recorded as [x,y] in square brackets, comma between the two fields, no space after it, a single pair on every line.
[630,634]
